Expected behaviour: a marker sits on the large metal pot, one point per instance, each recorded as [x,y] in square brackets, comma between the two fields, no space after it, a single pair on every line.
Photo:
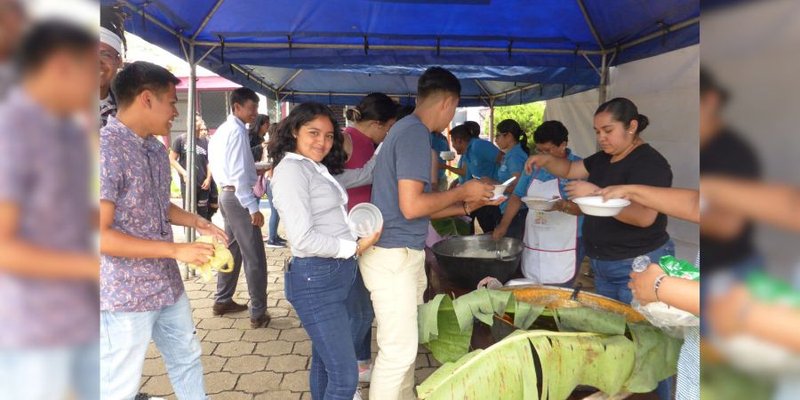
[468,259]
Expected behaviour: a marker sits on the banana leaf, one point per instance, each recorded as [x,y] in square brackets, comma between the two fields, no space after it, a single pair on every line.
[447,227]
[439,329]
[506,369]
[445,325]
[656,357]
[585,319]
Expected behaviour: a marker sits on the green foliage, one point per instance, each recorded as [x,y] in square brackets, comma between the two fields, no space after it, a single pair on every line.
[529,116]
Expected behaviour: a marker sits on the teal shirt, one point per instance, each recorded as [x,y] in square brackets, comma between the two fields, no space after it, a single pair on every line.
[480,158]
[544,175]
[513,163]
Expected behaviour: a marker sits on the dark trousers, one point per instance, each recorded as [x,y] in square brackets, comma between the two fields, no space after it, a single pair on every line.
[246,245]
[320,290]
[207,200]
[488,217]
[361,316]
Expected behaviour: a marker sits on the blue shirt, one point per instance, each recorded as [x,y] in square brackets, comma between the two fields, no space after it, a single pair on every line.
[439,144]
[406,154]
[544,175]
[513,163]
[465,177]
[481,158]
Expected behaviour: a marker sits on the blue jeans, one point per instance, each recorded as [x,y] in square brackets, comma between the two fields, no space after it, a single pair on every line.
[361,316]
[611,280]
[124,337]
[274,218]
[320,291]
[50,373]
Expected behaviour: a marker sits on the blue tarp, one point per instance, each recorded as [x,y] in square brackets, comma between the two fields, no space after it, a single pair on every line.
[336,51]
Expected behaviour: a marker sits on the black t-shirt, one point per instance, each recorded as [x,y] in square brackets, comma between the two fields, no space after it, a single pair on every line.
[728,155]
[201,156]
[606,238]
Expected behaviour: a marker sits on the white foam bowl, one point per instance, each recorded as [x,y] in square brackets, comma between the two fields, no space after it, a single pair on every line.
[498,191]
[594,205]
[448,155]
[263,164]
[539,203]
[365,219]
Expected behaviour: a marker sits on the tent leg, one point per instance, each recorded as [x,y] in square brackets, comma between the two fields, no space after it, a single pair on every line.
[603,89]
[491,121]
[191,132]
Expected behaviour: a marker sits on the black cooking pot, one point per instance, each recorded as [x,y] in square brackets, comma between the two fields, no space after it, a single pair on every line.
[468,259]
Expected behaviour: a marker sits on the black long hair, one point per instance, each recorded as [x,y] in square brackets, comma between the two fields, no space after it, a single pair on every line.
[255,140]
[373,107]
[625,111]
[512,127]
[285,141]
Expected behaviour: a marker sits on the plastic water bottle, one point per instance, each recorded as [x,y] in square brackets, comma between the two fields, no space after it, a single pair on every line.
[640,263]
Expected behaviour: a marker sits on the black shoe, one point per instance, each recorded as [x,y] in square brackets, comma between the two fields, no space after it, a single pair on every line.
[260,321]
[276,243]
[225,308]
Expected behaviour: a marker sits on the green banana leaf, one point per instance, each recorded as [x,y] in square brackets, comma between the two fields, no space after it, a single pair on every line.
[447,227]
[506,369]
[439,329]
[585,319]
[656,357]
[445,325]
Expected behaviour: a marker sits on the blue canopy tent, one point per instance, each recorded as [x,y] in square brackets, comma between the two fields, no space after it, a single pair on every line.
[336,51]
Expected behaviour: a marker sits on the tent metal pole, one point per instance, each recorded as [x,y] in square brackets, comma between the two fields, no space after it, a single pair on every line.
[602,89]
[590,24]
[191,132]
[491,120]
[206,19]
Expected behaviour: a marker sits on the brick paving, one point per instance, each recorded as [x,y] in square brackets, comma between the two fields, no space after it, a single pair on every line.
[251,364]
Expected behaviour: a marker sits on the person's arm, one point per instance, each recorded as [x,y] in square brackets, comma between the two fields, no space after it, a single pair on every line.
[117,244]
[774,204]
[207,182]
[736,312]
[352,178]
[458,171]
[173,162]
[680,293]
[24,259]
[181,217]
[242,171]
[560,167]
[675,202]
[512,208]
[415,203]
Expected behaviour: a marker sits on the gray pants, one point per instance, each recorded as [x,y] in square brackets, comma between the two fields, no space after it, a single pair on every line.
[246,244]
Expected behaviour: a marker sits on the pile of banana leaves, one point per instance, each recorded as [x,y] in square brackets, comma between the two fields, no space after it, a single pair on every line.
[592,347]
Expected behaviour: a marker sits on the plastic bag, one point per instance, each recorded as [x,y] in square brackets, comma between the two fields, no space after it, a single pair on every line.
[673,321]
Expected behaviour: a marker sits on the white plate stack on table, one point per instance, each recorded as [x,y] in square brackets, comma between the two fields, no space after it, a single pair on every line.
[595,206]
[365,219]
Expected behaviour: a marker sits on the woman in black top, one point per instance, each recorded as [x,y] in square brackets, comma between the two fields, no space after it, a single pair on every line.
[613,243]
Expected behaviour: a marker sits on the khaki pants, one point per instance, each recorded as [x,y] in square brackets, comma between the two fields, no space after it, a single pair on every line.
[396,281]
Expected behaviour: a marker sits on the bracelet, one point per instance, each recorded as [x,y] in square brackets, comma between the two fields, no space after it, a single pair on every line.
[657,284]
[466,210]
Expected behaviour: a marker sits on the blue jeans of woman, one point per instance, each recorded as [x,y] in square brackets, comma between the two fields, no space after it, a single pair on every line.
[611,279]
[274,218]
[361,316]
[320,291]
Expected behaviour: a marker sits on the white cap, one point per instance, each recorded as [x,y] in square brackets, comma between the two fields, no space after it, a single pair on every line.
[111,39]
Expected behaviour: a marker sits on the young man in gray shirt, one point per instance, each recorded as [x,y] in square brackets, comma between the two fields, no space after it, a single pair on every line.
[394,269]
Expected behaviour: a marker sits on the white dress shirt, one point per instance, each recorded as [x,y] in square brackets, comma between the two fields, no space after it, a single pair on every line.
[312,203]
[231,161]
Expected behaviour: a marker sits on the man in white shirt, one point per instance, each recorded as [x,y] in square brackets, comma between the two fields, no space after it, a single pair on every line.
[234,170]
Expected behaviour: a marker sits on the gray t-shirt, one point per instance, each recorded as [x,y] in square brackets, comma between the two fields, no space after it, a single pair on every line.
[406,154]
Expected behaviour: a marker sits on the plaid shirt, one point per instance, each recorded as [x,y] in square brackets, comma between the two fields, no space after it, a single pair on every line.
[135,176]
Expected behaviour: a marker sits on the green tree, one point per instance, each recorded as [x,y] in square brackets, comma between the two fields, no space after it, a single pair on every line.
[529,116]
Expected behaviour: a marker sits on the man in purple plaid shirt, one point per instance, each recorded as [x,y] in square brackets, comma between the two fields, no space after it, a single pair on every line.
[141,291]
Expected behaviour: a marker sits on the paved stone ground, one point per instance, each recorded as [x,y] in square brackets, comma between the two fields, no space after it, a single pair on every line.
[251,364]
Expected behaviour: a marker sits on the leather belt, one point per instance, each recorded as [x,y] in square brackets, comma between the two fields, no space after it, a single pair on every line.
[229,188]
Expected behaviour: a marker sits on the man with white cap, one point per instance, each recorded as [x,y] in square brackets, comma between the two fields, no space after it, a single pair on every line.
[112,46]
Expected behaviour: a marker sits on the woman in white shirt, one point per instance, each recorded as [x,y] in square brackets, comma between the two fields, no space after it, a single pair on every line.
[308,152]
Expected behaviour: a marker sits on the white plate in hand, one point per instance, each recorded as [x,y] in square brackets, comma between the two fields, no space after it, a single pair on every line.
[594,205]
[539,203]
